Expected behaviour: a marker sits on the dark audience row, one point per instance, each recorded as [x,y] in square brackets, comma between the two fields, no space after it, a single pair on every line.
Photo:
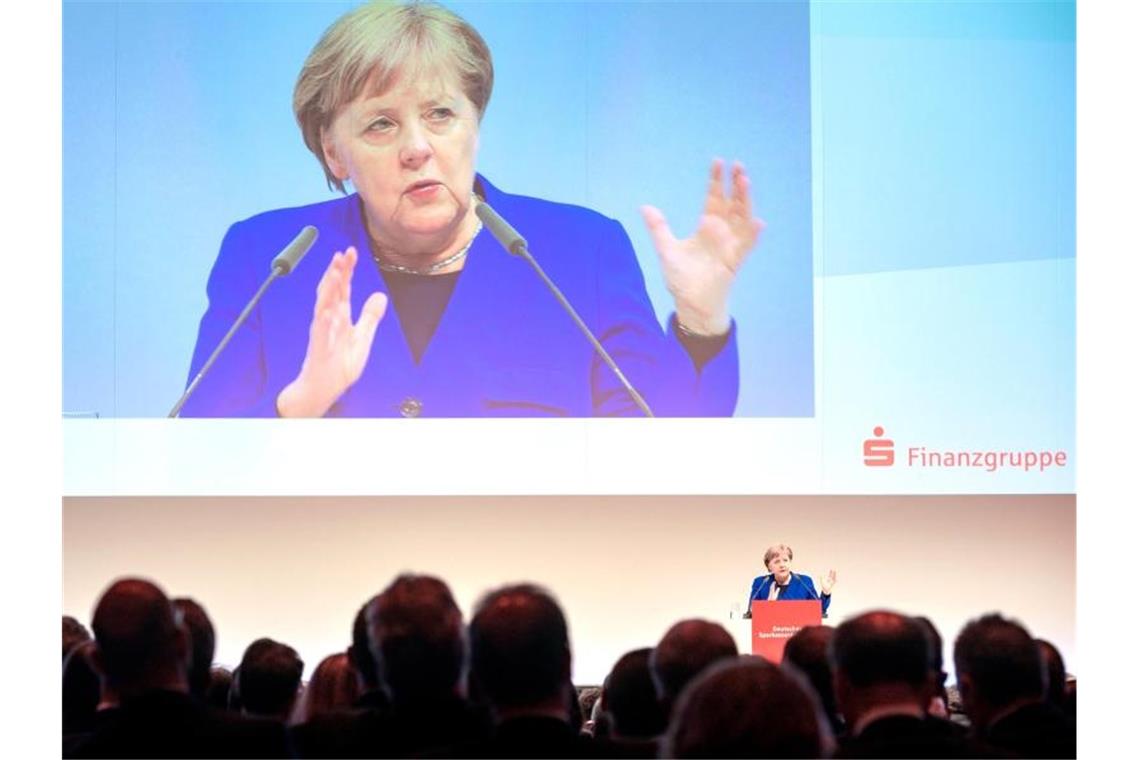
[417,682]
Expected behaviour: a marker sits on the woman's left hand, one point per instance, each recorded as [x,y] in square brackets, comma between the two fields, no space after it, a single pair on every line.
[826,584]
[699,270]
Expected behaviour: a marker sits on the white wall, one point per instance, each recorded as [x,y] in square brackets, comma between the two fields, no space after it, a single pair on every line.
[624,568]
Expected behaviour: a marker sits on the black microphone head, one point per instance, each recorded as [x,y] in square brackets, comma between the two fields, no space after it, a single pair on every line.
[507,235]
[286,261]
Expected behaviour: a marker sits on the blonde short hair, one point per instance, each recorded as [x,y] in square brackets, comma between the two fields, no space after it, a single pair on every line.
[776,551]
[375,44]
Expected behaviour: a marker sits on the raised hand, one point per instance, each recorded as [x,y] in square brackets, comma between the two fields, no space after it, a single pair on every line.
[338,349]
[699,270]
[826,584]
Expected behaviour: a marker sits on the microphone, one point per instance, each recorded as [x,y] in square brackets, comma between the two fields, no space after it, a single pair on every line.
[808,588]
[286,261]
[283,263]
[516,244]
[811,591]
[507,235]
[751,599]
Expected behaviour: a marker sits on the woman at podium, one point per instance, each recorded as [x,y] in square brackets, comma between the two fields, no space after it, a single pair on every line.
[781,584]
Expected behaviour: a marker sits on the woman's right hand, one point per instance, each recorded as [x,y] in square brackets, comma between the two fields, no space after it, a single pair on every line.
[338,349]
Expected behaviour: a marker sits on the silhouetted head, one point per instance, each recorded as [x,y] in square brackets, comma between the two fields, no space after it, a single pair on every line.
[201,632]
[267,679]
[417,641]
[332,687]
[687,648]
[80,689]
[520,649]
[218,692]
[880,658]
[746,707]
[1054,673]
[998,665]
[588,697]
[630,698]
[360,652]
[938,673]
[807,651]
[74,634]
[140,644]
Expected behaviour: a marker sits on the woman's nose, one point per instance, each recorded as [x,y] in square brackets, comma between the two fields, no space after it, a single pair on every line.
[415,149]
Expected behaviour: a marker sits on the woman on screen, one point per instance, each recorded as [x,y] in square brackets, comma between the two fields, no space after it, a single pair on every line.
[782,584]
[409,307]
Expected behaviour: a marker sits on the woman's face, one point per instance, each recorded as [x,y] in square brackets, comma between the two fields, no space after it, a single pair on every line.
[781,567]
[410,153]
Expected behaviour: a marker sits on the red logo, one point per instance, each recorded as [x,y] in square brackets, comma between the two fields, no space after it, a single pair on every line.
[878,451]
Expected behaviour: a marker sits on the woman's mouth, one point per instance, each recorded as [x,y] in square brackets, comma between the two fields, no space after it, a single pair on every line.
[423,190]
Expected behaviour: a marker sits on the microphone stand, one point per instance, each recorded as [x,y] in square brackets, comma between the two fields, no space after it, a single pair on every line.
[517,245]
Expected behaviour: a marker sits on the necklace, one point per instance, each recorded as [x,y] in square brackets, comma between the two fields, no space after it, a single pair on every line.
[437,266]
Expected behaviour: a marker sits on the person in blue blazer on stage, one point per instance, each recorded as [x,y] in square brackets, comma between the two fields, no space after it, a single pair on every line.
[782,584]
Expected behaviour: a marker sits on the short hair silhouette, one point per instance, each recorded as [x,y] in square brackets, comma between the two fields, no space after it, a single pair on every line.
[685,650]
[202,642]
[520,646]
[417,640]
[332,687]
[1000,659]
[1055,676]
[630,698]
[268,678]
[360,653]
[881,647]
[136,633]
[745,707]
[74,634]
[218,692]
[808,651]
[80,689]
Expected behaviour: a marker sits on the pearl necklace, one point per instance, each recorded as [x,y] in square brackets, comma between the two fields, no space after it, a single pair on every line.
[437,266]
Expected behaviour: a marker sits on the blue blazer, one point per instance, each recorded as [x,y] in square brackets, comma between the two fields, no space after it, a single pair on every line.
[800,587]
[503,346]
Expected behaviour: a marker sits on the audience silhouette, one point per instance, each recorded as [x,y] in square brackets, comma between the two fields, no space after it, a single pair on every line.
[684,651]
[883,686]
[746,707]
[1002,678]
[415,681]
[142,652]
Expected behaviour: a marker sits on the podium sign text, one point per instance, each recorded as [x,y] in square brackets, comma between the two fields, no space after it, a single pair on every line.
[773,623]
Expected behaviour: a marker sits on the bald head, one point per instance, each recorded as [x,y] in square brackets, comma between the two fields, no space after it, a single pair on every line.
[139,640]
[520,647]
[686,649]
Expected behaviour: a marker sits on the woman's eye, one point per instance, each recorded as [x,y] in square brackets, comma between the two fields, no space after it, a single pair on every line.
[439,114]
[381,125]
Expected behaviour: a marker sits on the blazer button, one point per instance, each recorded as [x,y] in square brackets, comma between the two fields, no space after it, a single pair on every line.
[411,407]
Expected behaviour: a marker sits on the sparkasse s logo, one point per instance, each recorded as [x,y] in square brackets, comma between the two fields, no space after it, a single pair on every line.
[878,451]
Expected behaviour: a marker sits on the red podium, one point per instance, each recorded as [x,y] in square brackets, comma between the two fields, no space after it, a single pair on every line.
[773,623]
